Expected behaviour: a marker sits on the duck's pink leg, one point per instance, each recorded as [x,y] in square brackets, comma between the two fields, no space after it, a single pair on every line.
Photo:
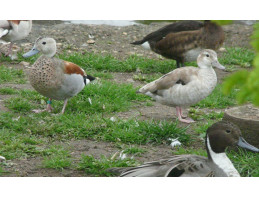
[180,118]
[48,108]
[64,106]
[10,50]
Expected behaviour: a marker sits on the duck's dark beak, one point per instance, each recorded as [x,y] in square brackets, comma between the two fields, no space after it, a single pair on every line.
[243,144]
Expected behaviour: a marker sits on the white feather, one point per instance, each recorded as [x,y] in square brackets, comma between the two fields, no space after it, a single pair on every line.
[223,162]
[146,45]
[2,159]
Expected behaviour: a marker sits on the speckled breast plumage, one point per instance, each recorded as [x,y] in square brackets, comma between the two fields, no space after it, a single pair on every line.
[45,76]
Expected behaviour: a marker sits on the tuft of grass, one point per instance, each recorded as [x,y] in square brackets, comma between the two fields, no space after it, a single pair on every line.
[134,150]
[8,91]
[15,145]
[196,114]
[144,132]
[98,167]
[112,64]
[58,158]
[245,162]
[238,56]
[11,75]
[19,104]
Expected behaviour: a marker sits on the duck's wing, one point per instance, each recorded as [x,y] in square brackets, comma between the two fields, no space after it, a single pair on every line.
[174,27]
[180,75]
[175,166]
[4,27]
[71,68]
[178,43]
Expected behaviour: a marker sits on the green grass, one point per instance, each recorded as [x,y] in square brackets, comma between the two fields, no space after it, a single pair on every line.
[11,75]
[237,56]
[144,132]
[217,99]
[98,167]
[245,162]
[112,64]
[8,91]
[198,115]
[58,158]
[18,145]
[134,150]
[106,97]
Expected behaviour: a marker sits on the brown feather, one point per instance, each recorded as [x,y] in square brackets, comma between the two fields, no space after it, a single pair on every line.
[71,68]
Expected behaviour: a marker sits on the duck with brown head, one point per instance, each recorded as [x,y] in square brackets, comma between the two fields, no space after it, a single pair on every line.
[219,136]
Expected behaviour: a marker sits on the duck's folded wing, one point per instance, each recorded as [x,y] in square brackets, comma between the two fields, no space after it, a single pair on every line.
[177,43]
[175,166]
[71,68]
[172,28]
[181,75]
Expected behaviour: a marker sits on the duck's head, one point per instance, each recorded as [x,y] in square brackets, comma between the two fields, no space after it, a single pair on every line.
[223,134]
[47,46]
[208,58]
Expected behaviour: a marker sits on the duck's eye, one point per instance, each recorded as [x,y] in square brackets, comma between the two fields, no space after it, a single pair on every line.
[207,55]
[228,131]
[44,43]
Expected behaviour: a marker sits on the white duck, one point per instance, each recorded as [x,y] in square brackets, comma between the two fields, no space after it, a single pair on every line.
[187,85]
[13,30]
[55,78]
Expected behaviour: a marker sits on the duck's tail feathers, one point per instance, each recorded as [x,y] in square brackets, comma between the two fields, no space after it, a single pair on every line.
[138,42]
[150,87]
[91,78]
[88,79]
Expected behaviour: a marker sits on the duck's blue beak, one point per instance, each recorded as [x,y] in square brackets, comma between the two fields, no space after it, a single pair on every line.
[243,144]
[32,52]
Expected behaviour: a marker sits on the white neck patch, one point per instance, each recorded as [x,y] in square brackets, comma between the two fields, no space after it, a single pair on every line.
[223,162]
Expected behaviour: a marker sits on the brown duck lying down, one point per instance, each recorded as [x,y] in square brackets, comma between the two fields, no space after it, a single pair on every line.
[183,41]
[187,85]
[219,136]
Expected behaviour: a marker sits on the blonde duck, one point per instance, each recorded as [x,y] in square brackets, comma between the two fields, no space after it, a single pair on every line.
[219,136]
[183,41]
[187,85]
[55,78]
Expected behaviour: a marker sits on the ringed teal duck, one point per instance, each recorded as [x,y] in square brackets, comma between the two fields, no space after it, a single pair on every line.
[13,30]
[55,78]
[219,136]
[187,85]
[183,41]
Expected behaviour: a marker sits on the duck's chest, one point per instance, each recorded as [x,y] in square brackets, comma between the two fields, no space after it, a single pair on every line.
[196,90]
[45,75]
